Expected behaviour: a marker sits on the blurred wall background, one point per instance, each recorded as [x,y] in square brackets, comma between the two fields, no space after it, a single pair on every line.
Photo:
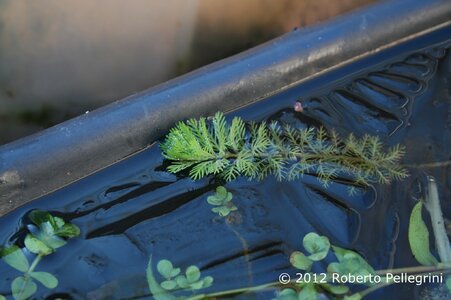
[60,58]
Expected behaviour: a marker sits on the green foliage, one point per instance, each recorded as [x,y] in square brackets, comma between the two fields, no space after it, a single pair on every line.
[349,263]
[47,233]
[419,237]
[15,258]
[174,280]
[229,150]
[318,247]
[222,199]
[23,288]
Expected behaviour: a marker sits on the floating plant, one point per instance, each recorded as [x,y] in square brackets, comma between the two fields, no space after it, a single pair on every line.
[222,200]
[46,234]
[229,150]
[174,280]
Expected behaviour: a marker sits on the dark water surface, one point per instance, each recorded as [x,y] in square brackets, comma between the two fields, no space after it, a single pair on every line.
[134,209]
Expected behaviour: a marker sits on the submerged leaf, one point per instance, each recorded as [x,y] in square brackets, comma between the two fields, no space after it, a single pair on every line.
[47,279]
[419,238]
[287,294]
[213,200]
[223,211]
[300,261]
[14,257]
[349,262]
[308,292]
[197,285]
[23,288]
[182,282]
[165,268]
[192,274]
[36,246]
[207,281]
[221,192]
[232,150]
[169,285]
[158,293]
[317,246]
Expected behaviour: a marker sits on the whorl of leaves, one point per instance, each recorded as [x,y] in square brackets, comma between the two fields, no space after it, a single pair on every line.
[256,150]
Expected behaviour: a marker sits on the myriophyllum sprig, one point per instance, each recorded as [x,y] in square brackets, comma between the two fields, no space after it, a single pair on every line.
[256,150]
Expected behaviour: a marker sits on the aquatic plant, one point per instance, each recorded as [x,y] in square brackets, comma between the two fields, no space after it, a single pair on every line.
[310,285]
[222,200]
[46,234]
[231,149]
[418,232]
[174,280]
[256,150]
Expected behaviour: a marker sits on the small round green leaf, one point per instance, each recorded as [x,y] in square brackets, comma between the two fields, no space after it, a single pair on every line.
[352,262]
[334,268]
[165,268]
[300,261]
[287,294]
[197,285]
[47,279]
[2,297]
[221,192]
[317,246]
[182,282]
[308,293]
[213,200]
[229,197]
[37,246]
[175,272]
[192,274]
[207,282]
[23,288]
[169,285]
[223,211]
[14,257]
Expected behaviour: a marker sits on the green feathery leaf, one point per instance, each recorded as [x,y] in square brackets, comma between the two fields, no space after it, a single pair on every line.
[257,150]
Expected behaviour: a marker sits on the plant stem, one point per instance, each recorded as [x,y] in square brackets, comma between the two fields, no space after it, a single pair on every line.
[27,274]
[417,269]
[35,263]
[437,164]
[432,204]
